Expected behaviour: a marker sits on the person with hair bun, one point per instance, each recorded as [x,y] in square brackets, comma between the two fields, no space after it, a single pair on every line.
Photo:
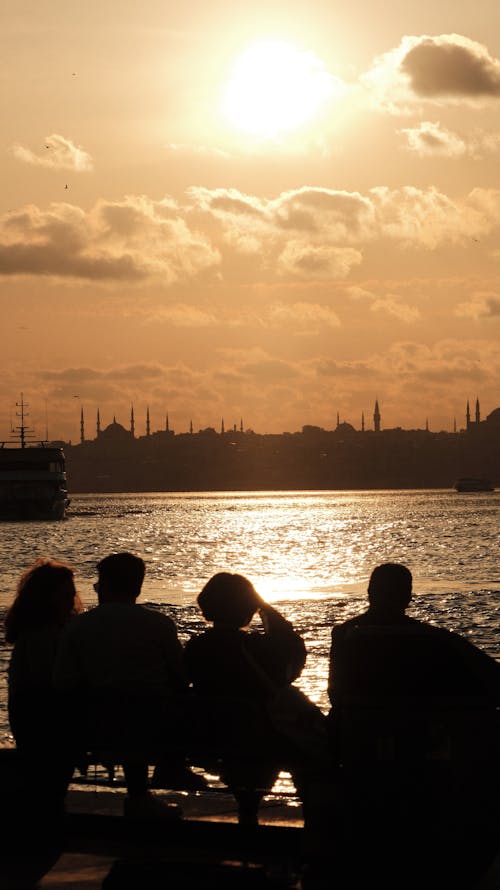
[233,670]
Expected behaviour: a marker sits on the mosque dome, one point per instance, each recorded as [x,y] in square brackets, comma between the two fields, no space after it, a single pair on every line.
[345,429]
[115,432]
[494,417]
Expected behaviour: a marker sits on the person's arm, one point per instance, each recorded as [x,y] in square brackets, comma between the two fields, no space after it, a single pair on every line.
[484,668]
[272,620]
[287,644]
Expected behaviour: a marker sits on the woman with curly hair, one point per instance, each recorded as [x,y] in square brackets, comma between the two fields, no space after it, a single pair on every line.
[45,600]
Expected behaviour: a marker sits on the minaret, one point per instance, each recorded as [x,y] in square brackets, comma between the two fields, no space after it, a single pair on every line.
[376,417]
[467,416]
[362,421]
[241,425]
[82,427]
[98,424]
[478,413]
[454,424]
[222,430]
[148,425]
[132,422]
[167,428]
[338,420]
[191,427]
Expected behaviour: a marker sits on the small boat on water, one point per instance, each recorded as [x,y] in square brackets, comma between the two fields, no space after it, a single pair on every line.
[473,483]
[33,483]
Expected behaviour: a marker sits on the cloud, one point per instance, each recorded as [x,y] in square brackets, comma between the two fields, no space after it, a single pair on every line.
[351,369]
[268,370]
[451,66]
[346,215]
[306,315]
[427,217]
[181,315]
[307,231]
[317,261]
[430,138]
[401,311]
[446,361]
[133,240]
[58,153]
[288,233]
[225,202]
[305,210]
[135,372]
[481,306]
[307,234]
[448,68]
[359,293]
[408,365]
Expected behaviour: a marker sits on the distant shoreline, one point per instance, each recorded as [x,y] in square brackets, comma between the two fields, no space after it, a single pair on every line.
[262,490]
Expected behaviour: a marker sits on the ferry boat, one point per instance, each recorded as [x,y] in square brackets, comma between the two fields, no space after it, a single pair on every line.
[33,482]
[473,483]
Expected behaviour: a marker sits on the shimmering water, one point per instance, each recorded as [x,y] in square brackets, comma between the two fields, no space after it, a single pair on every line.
[311,553]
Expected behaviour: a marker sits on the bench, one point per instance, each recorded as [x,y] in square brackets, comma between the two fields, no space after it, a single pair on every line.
[412,779]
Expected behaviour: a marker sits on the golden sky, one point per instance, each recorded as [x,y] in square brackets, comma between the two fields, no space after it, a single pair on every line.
[270,212]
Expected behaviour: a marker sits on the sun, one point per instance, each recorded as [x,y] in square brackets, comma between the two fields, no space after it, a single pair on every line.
[274,87]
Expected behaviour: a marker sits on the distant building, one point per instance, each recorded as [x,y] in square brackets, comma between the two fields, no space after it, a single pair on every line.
[314,458]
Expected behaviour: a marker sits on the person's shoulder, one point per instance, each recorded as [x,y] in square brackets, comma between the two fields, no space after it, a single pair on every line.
[153,617]
[445,637]
[79,621]
[343,626]
[79,627]
[200,641]
[434,630]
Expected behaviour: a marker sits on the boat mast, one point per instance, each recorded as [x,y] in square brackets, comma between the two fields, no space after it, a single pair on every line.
[22,430]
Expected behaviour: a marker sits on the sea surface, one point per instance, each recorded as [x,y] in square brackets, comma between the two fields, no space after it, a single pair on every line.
[309,553]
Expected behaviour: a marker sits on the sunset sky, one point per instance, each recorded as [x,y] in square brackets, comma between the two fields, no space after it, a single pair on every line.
[268,211]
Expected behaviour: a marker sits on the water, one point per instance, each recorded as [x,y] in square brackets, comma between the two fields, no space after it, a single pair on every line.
[310,553]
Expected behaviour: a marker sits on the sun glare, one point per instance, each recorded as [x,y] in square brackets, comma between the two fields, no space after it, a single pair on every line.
[275,87]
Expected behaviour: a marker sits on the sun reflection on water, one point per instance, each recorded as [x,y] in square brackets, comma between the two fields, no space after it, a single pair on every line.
[310,553]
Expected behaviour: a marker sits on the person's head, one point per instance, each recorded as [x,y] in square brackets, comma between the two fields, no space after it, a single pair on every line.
[120,578]
[228,599]
[45,594]
[389,589]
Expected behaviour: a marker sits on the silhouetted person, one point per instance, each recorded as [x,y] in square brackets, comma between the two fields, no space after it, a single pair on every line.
[384,652]
[232,668]
[45,601]
[122,664]
[413,724]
